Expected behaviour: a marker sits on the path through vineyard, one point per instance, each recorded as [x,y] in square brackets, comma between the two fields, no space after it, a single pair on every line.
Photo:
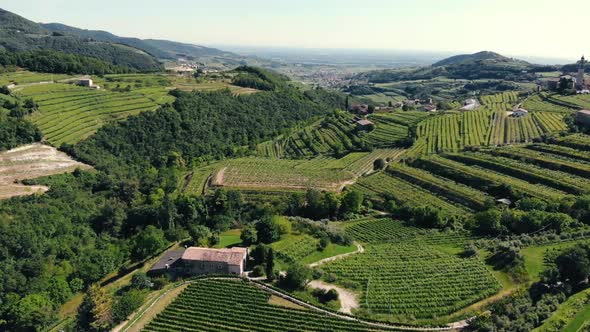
[348,300]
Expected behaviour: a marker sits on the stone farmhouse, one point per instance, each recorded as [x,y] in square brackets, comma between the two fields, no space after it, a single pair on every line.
[195,261]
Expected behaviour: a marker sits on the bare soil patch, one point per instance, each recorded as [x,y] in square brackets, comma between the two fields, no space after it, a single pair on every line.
[275,300]
[348,300]
[30,162]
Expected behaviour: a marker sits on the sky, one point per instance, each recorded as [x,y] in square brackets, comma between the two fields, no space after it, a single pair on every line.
[513,27]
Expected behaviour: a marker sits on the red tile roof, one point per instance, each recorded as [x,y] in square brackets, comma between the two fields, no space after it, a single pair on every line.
[232,256]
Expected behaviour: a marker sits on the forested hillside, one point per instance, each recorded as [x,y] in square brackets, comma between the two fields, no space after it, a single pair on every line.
[18,34]
[205,126]
[162,49]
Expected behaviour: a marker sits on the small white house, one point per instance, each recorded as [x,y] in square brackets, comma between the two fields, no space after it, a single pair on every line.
[87,82]
[520,113]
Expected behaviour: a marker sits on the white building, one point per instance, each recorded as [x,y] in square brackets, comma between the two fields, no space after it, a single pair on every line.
[520,113]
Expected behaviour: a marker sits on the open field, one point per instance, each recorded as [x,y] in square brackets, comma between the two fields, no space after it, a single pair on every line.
[27,77]
[257,173]
[228,305]
[262,174]
[30,162]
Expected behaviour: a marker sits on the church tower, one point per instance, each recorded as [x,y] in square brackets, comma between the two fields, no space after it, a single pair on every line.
[580,83]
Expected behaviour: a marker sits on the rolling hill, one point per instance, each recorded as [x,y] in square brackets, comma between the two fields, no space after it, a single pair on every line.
[481,65]
[479,57]
[18,34]
[162,49]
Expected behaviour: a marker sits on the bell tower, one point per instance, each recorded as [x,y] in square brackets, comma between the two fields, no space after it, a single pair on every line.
[580,83]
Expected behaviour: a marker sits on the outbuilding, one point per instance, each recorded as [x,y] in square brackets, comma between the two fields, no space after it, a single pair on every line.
[365,125]
[520,113]
[583,117]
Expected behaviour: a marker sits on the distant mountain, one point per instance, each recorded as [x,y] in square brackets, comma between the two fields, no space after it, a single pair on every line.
[481,57]
[18,34]
[162,49]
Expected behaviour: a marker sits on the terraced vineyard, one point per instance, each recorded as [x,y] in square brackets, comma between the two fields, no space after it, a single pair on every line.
[539,104]
[581,101]
[559,180]
[484,179]
[578,142]
[226,305]
[339,134]
[404,192]
[364,165]
[545,160]
[490,125]
[70,113]
[386,230]
[458,193]
[413,280]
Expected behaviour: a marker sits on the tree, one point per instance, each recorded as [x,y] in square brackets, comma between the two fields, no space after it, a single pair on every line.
[270,264]
[33,312]
[379,164]
[59,290]
[296,277]
[267,230]
[148,242]
[488,222]
[199,234]
[352,202]
[259,254]
[248,235]
[95,313]
[140,280]
[574,264]
[6,91]
[371,109]
[127,303]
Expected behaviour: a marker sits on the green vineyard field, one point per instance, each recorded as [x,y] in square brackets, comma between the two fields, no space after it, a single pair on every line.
[226,305]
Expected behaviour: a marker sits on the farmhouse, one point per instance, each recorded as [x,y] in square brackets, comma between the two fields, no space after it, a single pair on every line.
[429,108]
[361,109]
[364,125]
[583,117]
[195,261]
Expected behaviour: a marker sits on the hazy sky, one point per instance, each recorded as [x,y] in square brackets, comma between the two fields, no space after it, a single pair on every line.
[515,27]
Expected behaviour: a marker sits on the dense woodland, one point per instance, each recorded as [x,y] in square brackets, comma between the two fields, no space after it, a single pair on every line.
[195,130]
[48,61]
[18,34]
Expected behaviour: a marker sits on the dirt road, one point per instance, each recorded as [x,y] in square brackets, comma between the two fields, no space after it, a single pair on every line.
[348,300]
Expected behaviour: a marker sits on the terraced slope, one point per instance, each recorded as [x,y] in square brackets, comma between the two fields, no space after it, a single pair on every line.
[70,113]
